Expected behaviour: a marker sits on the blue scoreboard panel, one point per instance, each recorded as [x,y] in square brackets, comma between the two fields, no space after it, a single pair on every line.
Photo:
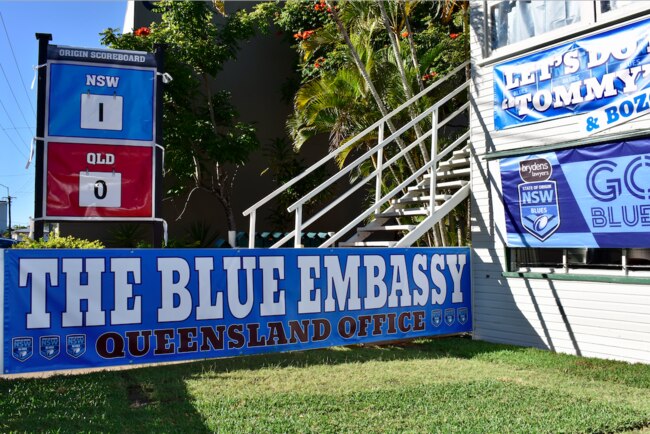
[101,102]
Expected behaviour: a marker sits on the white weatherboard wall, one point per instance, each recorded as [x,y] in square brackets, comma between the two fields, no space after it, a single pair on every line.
[606,320]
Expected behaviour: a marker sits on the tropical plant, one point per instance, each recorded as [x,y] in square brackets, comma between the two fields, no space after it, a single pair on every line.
[127,235]
[361,59]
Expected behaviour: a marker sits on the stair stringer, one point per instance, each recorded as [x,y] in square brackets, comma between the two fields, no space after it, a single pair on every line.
[434,218]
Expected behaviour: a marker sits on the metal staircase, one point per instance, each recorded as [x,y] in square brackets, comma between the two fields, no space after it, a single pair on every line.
[427,193]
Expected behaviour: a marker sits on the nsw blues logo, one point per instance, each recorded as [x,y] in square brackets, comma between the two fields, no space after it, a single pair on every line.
[436,317]
[463,315]
[450,316]
[49,346]
[75,345]
[538,199]
[22,348]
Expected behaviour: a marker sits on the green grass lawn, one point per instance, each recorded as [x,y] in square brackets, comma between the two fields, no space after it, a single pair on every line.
[447,385]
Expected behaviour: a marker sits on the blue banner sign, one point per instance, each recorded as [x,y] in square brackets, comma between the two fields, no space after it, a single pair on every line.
[610,70]
[68,309]
[595,196]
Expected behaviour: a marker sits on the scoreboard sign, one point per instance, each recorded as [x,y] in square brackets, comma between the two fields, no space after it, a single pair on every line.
[93,180]
[99,134]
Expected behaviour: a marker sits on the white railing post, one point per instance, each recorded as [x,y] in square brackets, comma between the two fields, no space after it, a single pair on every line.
[434,166]
[296,240]
[380,165]
[251,230]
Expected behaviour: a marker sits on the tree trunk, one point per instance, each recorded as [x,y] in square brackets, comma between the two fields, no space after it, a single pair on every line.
[369,83]
[414,58]
[402,73]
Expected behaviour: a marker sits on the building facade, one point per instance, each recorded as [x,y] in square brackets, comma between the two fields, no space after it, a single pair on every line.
[561,175]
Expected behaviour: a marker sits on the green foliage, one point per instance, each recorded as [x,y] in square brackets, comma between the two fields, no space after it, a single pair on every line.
[127,235]
[53,242]
[365,58]
[334,98]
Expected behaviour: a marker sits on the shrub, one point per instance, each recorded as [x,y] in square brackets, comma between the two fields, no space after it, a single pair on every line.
[68,242]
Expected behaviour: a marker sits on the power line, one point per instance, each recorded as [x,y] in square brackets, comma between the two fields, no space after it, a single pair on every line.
[12,142]
[10,120]
[13,94]
[16,63]
[7,134]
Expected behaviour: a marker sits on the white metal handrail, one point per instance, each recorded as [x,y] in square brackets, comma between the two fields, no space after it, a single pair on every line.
[347,169]
[379,124]
[361,183]
[388,196]
[437,156]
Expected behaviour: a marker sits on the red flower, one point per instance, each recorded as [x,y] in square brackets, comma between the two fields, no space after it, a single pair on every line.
[319,62]
[426,77]
[303,35]
[405,34]
[454,35]
[142,31]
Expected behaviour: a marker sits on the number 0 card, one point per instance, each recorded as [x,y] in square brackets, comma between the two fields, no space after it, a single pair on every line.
[90,180]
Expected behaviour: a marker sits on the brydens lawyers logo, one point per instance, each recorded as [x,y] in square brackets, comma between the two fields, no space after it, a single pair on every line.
[22,348]
[538,201]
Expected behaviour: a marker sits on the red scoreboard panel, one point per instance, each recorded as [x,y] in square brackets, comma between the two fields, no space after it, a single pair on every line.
[93,180]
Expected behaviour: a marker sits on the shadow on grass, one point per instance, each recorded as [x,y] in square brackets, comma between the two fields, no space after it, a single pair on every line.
[156,398]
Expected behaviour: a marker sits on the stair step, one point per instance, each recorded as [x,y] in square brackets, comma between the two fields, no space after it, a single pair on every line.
[463,153]
[415,199]
[368,244]
[407,228]
[404,212]
[451,173]
[449,164]
[448,184]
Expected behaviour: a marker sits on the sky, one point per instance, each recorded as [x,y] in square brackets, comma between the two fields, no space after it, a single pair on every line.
[73,23]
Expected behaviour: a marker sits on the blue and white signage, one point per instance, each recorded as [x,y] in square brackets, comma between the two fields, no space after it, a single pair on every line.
[68,309]
[606,75]
[101,102]
[100,134]
[595,196]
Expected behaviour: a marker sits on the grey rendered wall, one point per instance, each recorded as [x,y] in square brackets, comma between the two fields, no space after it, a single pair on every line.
[591,319]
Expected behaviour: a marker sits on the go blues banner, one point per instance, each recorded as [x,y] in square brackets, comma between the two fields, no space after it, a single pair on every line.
[596,196]
[71,308]
[607,75]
